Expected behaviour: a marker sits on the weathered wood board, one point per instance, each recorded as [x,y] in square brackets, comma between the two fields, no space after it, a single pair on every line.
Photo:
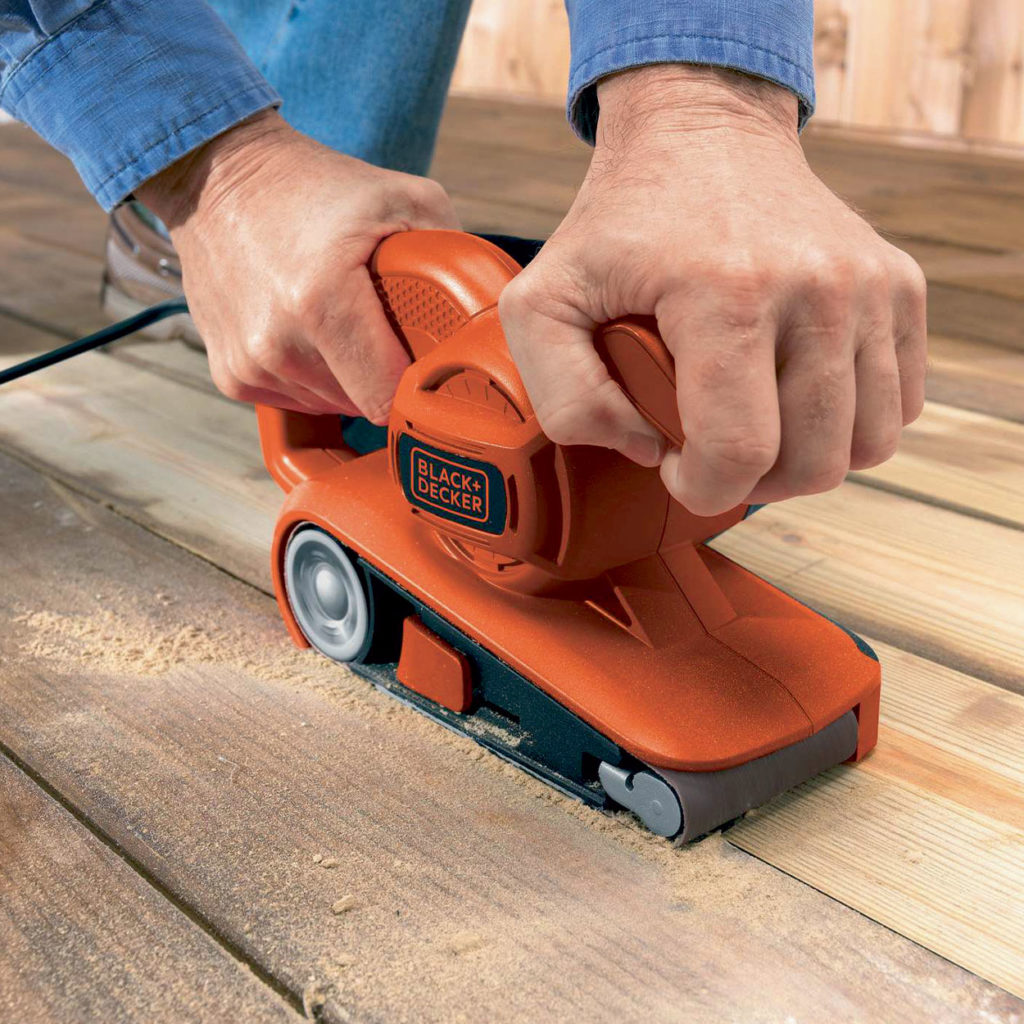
[949,762]
[161,698]
[84,938]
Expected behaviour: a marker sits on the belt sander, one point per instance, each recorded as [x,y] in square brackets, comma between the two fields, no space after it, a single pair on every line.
[551,602]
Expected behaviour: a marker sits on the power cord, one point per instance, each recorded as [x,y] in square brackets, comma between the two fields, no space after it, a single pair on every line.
[162,310]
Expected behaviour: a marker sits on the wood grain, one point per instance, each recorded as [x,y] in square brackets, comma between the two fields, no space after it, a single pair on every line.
[128,710]
[84,938]
[967,461]
[160,697]
[973,375]
[949,763]
[932,581]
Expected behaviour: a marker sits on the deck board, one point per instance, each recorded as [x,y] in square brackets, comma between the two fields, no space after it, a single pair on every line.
[161,698]
[85,938]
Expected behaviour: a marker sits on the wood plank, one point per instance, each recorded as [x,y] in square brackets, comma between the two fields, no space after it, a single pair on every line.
[929,580]
[927,834]
[26,160]
[85,938]
[165,454]
[973,375]
[967,461]
[50,285]
[160,697]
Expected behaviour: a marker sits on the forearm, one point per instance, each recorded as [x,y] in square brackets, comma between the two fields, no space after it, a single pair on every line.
[124,87]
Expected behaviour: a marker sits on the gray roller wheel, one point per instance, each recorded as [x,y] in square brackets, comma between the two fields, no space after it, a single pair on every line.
[649,797]
[326,594]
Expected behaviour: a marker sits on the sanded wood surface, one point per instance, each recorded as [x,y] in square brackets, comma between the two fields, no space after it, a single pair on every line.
[949,763]
[136,668]
[84,938]
[161,698]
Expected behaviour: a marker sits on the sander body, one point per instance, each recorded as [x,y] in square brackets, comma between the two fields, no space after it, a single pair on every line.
[551,602]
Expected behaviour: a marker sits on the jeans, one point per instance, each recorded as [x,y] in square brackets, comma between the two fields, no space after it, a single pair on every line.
[319,55]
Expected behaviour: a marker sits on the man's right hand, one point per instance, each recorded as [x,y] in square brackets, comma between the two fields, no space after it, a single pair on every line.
[275,233]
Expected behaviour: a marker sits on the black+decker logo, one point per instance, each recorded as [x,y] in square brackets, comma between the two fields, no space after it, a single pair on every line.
[448,486]
[451,486]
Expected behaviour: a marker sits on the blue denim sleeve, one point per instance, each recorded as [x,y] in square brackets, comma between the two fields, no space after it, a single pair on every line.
[772,39]
[124,87]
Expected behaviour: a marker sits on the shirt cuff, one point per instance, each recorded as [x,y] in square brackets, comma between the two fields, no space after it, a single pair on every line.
[129,86]
[772,39]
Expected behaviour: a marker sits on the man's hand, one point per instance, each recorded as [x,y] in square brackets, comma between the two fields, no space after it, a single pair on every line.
[798,333]
[274,233]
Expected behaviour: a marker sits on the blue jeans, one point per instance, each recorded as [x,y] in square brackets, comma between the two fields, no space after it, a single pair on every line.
[296,45]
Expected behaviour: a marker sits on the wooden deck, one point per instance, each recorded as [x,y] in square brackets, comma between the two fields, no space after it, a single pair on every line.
[184,797]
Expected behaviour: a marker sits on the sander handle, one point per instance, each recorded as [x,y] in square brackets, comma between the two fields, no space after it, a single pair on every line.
[632,348]
[473,269]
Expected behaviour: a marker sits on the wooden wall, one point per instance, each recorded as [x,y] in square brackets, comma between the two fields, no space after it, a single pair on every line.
[951,67]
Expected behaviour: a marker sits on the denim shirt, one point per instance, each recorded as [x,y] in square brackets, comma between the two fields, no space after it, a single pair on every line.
[126,87]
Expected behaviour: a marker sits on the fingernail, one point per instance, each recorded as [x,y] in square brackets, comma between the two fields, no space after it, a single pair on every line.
[646,449]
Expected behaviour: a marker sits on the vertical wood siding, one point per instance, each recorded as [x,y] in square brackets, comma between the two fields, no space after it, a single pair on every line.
[948,67]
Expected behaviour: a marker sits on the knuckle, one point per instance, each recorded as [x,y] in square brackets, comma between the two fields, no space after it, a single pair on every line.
[514,299]
[231,387]
[874,451]
[432,192]
[266,351]
[425,196]
[377,412]
[745,289]
[829,284]
[740,455]
[297,296]
[587,418]
[912,280]
[871,273]
[825,476]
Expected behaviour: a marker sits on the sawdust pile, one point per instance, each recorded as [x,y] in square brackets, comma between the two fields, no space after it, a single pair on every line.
[128,639]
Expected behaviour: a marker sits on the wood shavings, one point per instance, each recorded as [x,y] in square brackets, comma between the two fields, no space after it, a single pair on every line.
[344,905]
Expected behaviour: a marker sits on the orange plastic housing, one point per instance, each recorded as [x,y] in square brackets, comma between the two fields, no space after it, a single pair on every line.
[571,565]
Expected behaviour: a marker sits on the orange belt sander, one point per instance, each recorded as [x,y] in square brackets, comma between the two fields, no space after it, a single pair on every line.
[553,603]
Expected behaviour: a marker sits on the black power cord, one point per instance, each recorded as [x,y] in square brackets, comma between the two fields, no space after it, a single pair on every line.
[162,310]
[522,250]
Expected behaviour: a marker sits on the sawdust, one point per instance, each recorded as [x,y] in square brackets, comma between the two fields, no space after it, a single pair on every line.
[124,638]
[465,942]
[107,642]
[345,904]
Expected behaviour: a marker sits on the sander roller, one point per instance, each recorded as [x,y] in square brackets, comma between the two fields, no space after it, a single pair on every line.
[552,602]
